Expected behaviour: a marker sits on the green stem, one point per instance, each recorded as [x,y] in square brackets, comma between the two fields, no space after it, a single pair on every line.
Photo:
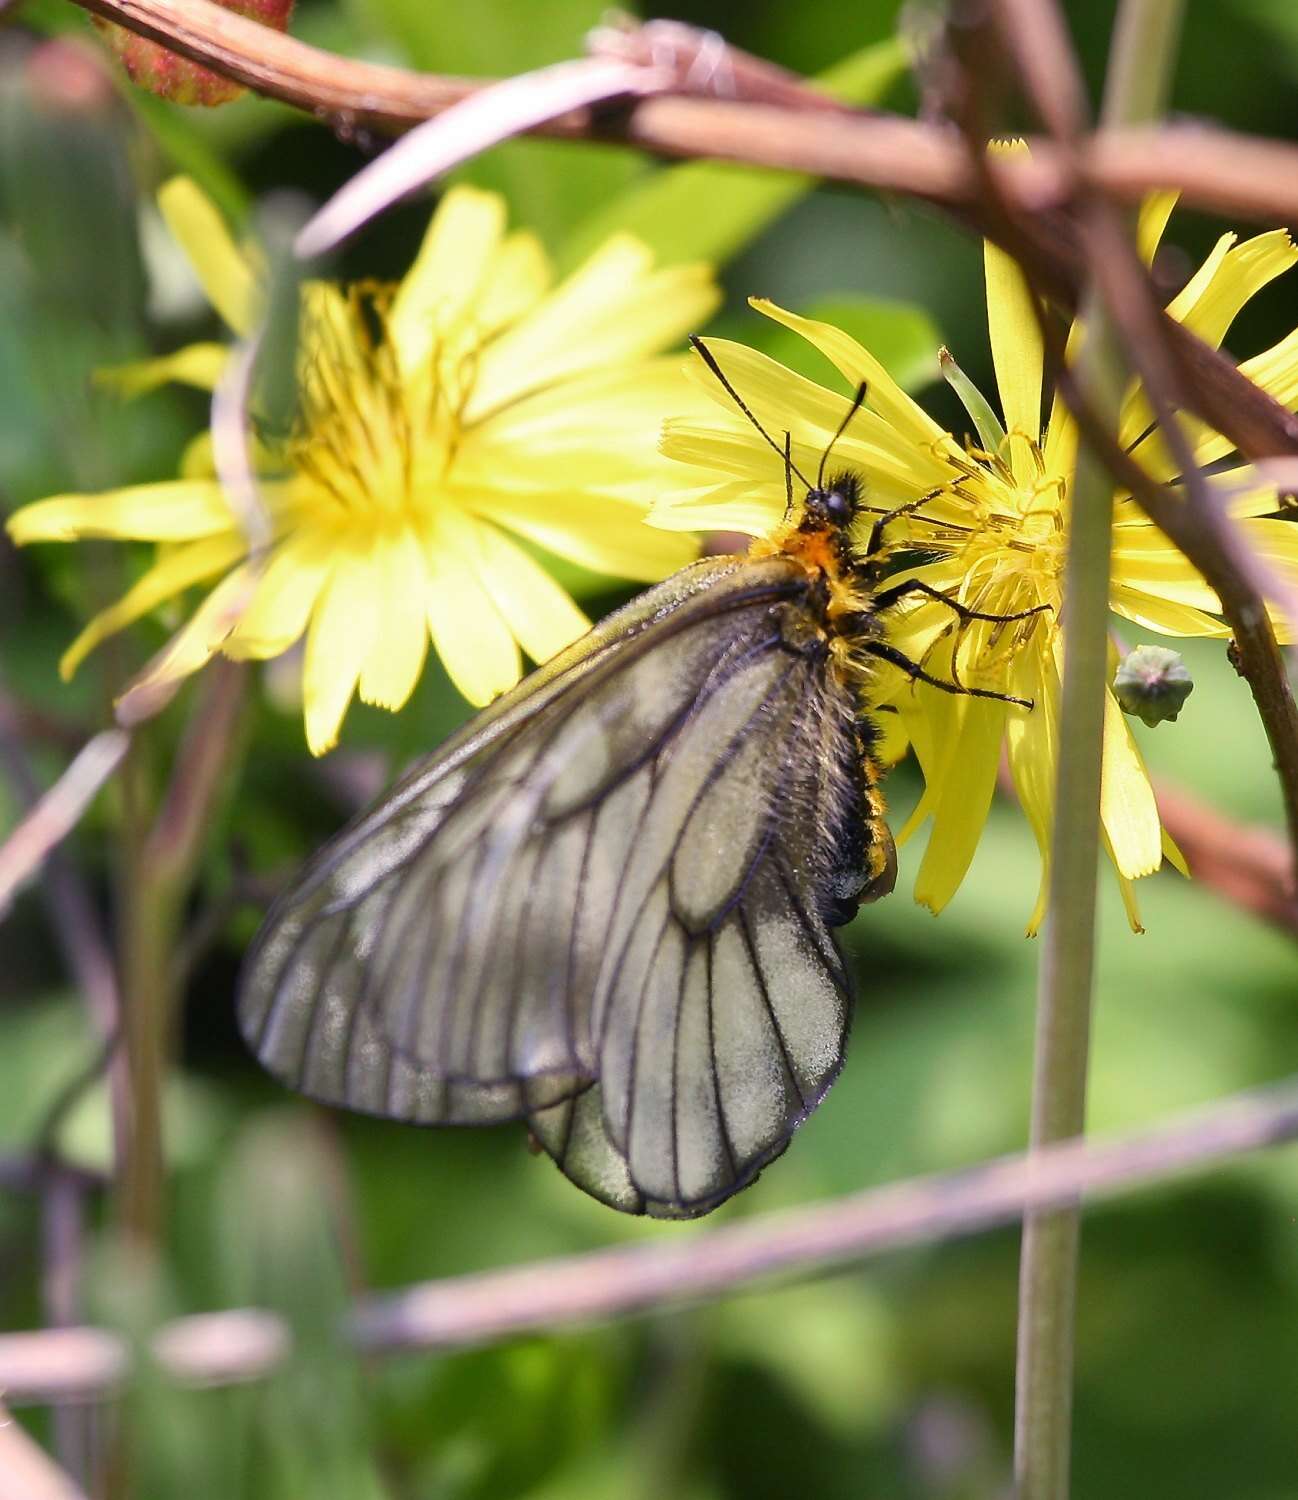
[1138,78]
[159,873]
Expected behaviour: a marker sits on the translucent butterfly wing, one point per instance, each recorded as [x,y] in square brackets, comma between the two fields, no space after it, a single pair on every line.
[723,1002]
[441,960]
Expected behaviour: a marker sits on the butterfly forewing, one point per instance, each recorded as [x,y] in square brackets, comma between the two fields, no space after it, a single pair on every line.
[443,959]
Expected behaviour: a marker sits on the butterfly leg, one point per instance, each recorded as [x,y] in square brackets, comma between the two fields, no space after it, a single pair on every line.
[888,597]
[875,543]
[916,673]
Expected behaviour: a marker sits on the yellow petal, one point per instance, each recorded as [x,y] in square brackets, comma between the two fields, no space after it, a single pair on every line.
[1208,306]
[475,644]
[608,535]
[722,448]
[443,283]
[596,433]
[1276,544]
[1276,371]
[396,658]
[1127,891]
[1154,214]
[1144,560]
[783,401]
[197,459]
[892,741]
[1185,300]
[177,510]
[181,569]
[885,396]
[285,596]
[1017,354]
[1173,856]
[341,635]
[963,803]
[1165,616]
[196,364]
[517,279]
[1127,807]
[931,724]
[614,309]
[751,509]
[222,269]
[1032,747]
[1059,447]
[192,647]
[541,615]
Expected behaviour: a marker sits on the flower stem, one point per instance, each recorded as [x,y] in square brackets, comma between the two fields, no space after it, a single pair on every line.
[1138,77]
[159,875]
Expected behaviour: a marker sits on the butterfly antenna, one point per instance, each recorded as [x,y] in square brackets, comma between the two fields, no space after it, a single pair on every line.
[788,473]
[709,359]
[858,401]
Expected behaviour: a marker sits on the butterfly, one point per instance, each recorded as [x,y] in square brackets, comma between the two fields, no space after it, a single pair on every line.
[607,905]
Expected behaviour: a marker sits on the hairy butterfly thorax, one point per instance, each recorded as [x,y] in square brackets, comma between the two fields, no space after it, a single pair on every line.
[832,622]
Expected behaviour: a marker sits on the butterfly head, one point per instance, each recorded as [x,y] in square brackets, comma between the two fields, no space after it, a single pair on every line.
[832,505]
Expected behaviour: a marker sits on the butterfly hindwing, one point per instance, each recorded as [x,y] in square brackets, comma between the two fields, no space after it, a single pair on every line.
[725,1003]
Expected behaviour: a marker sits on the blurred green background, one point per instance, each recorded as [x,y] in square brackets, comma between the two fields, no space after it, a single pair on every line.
[894,1381]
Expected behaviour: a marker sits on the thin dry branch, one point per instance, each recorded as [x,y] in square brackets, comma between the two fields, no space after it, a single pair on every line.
[462,1311]
[1217,169]
[1199,525]
[887,153]
[73,919]
[27,1472]
[57,812]
[1247,865]
[1177,370]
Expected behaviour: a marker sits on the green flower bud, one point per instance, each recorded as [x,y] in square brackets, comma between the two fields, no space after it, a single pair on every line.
[1152,683]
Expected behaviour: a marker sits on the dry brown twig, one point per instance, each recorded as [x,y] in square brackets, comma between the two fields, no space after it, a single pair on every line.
[1247,866]
[1168,364]
[1214,168]
[26,1472]
[884,152]
[463,1311]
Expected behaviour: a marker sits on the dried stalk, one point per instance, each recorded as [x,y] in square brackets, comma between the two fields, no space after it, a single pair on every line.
[1217,169]
[464,1311]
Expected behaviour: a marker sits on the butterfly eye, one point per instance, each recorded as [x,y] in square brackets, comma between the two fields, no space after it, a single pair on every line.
[837,507]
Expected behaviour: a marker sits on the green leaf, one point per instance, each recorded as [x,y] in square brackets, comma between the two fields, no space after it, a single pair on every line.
[901,336]
[711,210]
[550,185]
[188,150]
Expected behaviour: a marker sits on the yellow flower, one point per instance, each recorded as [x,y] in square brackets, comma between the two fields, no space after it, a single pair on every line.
[437,420]
[993,535]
